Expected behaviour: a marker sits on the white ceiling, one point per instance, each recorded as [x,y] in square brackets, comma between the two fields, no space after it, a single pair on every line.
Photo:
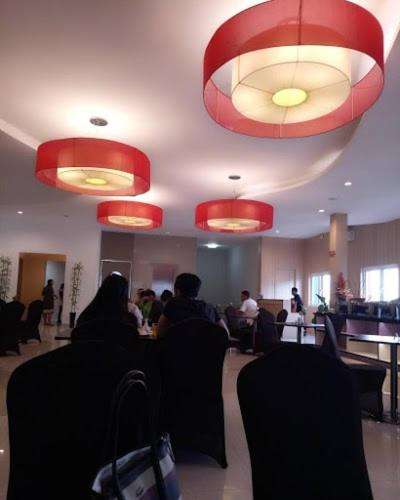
[139,65]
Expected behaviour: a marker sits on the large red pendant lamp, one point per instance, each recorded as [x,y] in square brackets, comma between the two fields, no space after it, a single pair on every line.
[298,67]
[234,216]
[129,214]
[93,166]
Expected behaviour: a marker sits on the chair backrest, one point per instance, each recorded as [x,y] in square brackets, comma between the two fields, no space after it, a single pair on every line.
[281,317]
[192,366]
[267,334]
[329,344]
[35,310]
[123,334]
[11,316]
[59,408]
[232,320]
[301,413]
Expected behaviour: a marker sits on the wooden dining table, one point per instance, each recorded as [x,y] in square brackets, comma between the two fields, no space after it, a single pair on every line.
[393,342]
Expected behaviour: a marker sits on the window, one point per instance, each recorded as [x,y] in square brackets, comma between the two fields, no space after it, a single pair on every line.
[380,283]
[319,284]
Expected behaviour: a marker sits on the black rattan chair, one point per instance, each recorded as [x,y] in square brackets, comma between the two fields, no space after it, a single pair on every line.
[301,413]
[266,335]
[281,317]
[239,329]
[192,407]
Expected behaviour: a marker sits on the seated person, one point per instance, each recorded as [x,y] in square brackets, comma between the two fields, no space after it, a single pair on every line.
[166,296]
[151,308]
[185,304]
[110,303]
[249,307]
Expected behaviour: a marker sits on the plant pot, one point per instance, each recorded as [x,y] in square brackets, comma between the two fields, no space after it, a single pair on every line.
[72,317]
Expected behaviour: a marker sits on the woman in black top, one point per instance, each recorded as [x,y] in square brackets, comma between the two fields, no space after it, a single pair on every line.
[48,302]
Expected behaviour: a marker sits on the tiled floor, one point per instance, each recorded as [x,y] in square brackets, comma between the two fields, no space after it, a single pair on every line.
[202,479]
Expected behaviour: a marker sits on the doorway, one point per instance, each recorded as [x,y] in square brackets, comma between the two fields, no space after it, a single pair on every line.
[33,272]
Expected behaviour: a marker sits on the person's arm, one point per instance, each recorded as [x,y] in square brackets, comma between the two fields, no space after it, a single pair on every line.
[222,324]
[243,309]
[163,325]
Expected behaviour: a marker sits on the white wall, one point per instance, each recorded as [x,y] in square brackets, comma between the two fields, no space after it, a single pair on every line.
[77,241]
[212,268]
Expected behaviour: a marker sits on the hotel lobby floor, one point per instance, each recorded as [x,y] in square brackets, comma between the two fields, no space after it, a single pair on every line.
[202,479]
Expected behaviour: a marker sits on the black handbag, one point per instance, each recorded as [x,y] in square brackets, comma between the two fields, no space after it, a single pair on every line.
[143,473]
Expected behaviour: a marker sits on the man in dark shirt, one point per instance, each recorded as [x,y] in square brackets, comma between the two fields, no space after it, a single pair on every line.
[185,304]
[297,300]
[151,308]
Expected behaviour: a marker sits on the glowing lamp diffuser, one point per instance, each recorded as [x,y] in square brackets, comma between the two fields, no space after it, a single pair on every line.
[298,67]
[93,166]
[129,214]
[234,216]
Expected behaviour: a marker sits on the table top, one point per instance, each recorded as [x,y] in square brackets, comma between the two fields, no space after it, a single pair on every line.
[304,325]
[377,339]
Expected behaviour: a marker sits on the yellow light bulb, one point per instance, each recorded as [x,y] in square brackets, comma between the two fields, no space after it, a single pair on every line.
[290,97]
[95,181]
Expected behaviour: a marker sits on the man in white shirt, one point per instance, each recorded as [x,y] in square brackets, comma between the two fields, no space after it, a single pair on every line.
[249,307]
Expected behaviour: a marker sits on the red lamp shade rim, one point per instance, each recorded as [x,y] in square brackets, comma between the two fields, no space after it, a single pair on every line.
[148,216]
[127,164]
[235,216]
[280,23]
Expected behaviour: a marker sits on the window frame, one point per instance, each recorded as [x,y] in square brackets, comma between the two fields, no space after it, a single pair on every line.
[319,275]
[381,270]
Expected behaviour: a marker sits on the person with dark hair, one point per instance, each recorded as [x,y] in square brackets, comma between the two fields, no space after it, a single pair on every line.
[151,308]
[166,296]
[110,303]
[60,306]
[48,302]
[249,307]
[297,301]
[185,305]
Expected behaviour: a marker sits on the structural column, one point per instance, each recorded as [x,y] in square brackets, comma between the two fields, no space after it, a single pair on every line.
[338,251]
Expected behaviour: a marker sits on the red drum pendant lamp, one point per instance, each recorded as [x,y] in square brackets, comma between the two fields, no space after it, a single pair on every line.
[234,215]
[93,166]
[298,68]
[129,214]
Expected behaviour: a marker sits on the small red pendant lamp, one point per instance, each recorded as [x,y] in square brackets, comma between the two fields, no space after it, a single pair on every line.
[93,166]
[129,214]
[234,216]
[299,68]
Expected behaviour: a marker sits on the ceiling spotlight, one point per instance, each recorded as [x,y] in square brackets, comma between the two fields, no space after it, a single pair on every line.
[212,245]
[98,122]
[332,198]
[321,210]
[348,183]
[234,177]
[20,212]
[277,231]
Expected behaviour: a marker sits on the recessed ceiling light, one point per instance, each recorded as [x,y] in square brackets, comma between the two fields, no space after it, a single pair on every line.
[332,198]
[1,451]
[234,177]
[20,212]
[321,210]
[212,245]
[348,183]
[98,122]
[277,231]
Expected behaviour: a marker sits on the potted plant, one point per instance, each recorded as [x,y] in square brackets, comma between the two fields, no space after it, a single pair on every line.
[75,291]
[323,307]
[5,275]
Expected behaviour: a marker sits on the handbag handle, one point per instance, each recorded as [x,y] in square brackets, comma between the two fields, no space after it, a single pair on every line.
[134,378]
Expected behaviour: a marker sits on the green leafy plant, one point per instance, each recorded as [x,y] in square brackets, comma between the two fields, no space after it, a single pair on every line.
[76,282]
[5,276]
[323,307]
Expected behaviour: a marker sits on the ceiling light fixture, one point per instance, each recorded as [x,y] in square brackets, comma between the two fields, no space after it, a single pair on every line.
[129,214]
[299,67]
[348,183]
[93,166]
[212,245]
[277,231]
[321,210]
[20,212]
[234,177]
[234,216]
[98,122]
